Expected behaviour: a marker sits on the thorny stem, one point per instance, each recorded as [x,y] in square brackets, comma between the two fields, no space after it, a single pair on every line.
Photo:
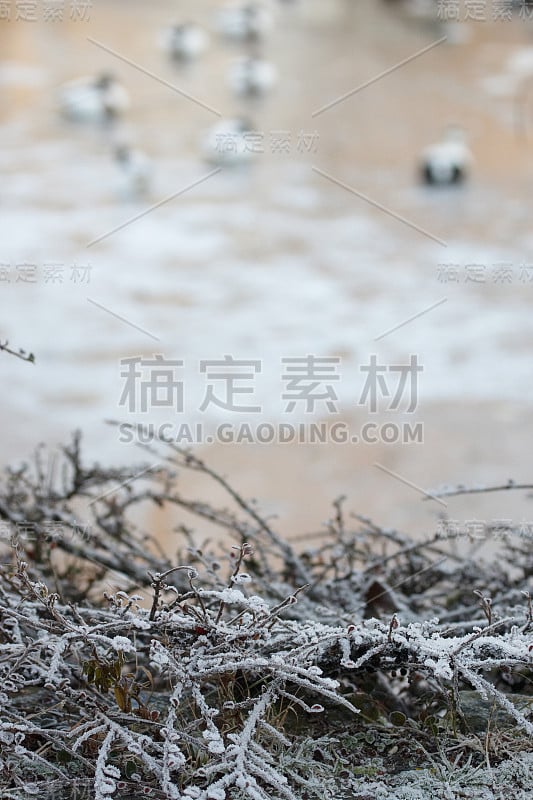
[459,490]
[194,462]
[529,622]
[19,354]
[158,585]
[244,551]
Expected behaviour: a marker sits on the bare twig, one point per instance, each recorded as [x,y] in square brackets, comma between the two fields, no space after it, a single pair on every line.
[18,353]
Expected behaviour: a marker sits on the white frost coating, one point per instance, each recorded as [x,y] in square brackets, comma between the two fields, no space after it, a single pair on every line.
[216,746]
[257,604]
[59,649]
[141,624]
[440,668]
[124,644]
[104,783]
[232,596]
[216,794]
[158,654]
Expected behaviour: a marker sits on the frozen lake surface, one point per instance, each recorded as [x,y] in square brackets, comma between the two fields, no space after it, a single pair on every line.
[276,259]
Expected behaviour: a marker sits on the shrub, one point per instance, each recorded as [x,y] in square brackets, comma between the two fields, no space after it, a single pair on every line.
[251,669]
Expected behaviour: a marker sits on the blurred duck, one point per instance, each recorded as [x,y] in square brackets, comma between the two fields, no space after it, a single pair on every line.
[96,99]
[227,143]
[250,21]
[447,162]
[185,42]
[252,77]
[134,172]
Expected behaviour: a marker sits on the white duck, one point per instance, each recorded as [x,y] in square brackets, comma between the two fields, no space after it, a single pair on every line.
[96,99]
[252,76]
[186,41]
[249,21]
[447,162]
[134,172]
[227,143]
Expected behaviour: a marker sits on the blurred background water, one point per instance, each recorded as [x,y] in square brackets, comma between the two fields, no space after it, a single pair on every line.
[276,260]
